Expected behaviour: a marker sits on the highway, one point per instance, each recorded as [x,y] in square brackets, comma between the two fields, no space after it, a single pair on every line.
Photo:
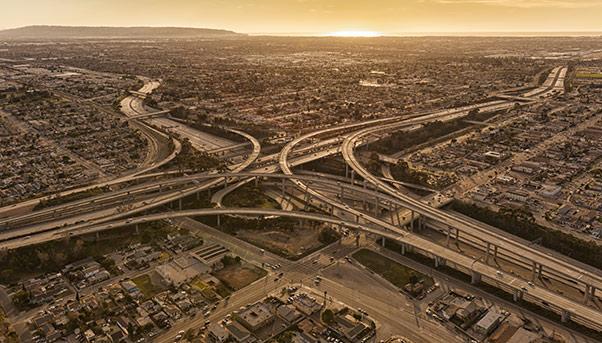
[28,204]
[292,155]
[550,264]
[133,107]
[459,261]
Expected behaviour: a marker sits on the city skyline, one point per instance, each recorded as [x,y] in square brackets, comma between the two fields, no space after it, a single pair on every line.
[324,17]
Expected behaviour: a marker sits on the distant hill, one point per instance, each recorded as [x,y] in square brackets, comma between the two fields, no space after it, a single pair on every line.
[43,32]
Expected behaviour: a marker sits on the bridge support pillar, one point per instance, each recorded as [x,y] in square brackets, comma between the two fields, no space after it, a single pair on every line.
[412,221]
[517,295]
[376,201]
[180,204]
[448,236]
[137,229]
[403,248]
[537,270]
[383,242]
[307,196]
[97,235]
[475,277]
[376,206]
[352,177]
[487,253]
[439,261]
[458,238]
[346,170]
[589,293]
[219,220]
[198,196]
[495,252]
[565,316]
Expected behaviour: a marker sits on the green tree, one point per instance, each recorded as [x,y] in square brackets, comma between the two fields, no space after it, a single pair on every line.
[328,316]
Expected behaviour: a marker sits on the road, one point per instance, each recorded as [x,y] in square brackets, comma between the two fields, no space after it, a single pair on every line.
[375,225]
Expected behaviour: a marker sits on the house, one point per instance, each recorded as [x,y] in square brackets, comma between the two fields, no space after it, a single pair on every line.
[239,333]
[256,316]
[182,270]
[217,334]
[488,323]
[288,313]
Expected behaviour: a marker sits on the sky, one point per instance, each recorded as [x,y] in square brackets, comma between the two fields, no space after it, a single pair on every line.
[317,17]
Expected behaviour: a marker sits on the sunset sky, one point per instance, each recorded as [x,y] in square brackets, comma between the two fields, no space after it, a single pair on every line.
[315,16]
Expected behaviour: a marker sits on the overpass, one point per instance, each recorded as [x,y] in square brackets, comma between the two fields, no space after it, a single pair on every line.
[565,307]
[476,268]
[540,262]
[149,115]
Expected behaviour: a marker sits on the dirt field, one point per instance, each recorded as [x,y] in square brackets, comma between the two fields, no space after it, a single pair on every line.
[239,276]
[290,244]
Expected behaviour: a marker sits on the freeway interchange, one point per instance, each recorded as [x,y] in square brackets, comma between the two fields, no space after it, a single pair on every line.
[148,189]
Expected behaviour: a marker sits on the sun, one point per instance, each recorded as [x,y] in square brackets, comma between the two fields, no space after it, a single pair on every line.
[354,33]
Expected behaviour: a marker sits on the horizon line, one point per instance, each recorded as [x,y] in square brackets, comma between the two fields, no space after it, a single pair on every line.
[526,33]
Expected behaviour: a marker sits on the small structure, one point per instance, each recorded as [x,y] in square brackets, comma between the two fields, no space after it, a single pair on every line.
[182,270]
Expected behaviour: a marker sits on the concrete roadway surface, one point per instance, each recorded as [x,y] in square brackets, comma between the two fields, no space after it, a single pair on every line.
[423,208]
[510,246]
[309,157]
[447,282]
[552,265]
[115,213]
[391,319]
[29,204]
[454,258]
[133,106]
[104,205]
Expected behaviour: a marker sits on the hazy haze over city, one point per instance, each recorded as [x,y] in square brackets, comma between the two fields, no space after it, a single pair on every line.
[300,171]
[316,17]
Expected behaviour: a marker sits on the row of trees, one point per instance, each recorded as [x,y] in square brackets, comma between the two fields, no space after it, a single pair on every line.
[521,223]
[402,140]
[190,158]
[52,256]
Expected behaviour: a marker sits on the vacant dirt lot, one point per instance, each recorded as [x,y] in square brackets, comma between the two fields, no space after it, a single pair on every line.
[239,276]
[290,243]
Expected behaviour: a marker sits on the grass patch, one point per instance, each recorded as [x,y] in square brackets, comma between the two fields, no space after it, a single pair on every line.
[146,286]
[198,284]
[396,273]
[589,75]
[250,196]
